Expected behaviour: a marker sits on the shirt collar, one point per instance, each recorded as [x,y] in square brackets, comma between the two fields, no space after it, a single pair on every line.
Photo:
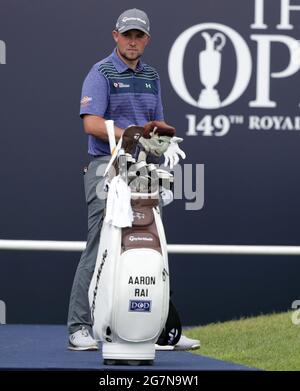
[121,66]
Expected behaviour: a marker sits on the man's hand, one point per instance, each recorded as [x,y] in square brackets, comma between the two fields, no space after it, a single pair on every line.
[159,127]
[173,152]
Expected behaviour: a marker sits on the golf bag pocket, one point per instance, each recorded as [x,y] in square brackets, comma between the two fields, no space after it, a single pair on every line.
[141,295]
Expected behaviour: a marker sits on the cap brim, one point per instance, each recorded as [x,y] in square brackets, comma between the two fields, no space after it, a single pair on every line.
[132,27]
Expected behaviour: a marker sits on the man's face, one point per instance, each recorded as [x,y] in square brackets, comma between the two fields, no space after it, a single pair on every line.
[131,44]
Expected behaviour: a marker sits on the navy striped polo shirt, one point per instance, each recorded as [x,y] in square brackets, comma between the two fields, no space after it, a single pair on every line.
[114,91]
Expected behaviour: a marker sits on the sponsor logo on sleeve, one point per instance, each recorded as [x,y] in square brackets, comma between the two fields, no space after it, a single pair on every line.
[86,100]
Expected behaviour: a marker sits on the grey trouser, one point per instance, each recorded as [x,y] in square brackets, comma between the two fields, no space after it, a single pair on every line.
[79,308]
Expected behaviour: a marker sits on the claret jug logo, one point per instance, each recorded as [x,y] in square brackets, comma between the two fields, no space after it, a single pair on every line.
[210,61]
[220,41]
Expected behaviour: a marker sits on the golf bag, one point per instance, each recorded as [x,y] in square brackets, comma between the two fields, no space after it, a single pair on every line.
[129,290]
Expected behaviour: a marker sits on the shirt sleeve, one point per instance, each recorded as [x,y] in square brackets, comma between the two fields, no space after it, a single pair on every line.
[159,113]
[94,95]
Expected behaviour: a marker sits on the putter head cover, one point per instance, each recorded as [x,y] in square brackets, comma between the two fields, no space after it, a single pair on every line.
[160,128]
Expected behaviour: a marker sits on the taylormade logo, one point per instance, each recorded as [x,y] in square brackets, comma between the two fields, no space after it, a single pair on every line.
[140,20]
[137,238]
[138,215]
[2,52]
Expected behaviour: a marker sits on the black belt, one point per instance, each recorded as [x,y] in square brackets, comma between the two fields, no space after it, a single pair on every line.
[95,156]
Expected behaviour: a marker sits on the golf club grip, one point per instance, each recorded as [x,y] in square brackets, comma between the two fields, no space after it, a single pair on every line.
[111,134]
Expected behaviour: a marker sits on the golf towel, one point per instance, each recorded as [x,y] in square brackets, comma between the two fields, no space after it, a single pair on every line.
[118,205]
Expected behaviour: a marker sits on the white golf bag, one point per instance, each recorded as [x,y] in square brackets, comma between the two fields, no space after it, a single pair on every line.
[129,290]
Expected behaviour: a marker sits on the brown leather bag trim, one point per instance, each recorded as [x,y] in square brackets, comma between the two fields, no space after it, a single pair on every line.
[147,231]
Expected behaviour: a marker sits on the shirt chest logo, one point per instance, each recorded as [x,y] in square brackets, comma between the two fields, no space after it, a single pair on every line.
[121,85]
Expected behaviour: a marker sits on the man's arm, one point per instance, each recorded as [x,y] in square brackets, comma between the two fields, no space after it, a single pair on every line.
[95,126]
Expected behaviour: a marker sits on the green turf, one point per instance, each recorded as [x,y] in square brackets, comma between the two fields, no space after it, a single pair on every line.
[270,342]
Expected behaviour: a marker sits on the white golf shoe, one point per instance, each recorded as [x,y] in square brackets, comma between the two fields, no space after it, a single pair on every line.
[82,340]
[184,343]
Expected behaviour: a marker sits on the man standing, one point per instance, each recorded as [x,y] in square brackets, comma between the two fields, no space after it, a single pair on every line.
[124,89]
